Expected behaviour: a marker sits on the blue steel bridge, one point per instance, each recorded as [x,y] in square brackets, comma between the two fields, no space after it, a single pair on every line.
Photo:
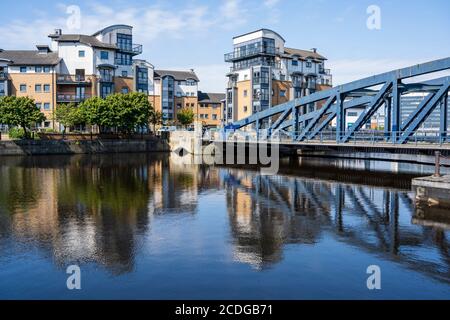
[309,119]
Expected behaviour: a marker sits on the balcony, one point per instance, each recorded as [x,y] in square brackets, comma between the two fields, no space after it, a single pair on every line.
[325,71]
[242,54]
[67,98]
[73,79]
[241,66]
[3,76]
[106,79]
[134,49]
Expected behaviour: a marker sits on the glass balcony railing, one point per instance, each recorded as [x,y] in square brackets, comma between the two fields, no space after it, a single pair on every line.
[72,97]
[241,66]
[134,48]
[71,79]
[259,50]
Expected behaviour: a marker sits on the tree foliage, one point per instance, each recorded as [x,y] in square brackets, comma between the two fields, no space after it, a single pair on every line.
[185,116]
[156,118]
[69,115]
[20,111]
[122,111]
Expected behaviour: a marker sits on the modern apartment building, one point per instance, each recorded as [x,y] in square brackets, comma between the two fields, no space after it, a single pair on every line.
[73,68]
[209,108]
[174,90]
[265,73]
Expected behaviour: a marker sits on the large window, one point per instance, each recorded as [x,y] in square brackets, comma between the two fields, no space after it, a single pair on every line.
[81,53]
[123,59]
[125,41]
[23,69]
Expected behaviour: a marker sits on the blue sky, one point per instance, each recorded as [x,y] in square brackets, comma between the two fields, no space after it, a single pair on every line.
[196,34]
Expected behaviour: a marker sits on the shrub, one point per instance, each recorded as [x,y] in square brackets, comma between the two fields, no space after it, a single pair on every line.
[16,133]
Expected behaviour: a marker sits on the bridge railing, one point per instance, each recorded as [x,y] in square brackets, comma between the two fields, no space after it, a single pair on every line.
[421,137]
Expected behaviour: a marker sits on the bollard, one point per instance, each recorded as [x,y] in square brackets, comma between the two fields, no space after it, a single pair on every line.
[437,168]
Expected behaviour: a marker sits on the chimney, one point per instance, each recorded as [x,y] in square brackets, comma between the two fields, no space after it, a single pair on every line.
[58,32]
[192,70]
[314,50]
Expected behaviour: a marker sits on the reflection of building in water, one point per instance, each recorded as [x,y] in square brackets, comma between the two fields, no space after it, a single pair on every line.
[267,212]
[265,215]
[82,213]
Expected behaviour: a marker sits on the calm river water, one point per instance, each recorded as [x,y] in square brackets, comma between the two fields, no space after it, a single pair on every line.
[157,227]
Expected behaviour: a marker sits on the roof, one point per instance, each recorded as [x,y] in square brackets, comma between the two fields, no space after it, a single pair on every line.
[87,40]
[262,29]
[177,75]
[304,53]
[30,57]
[204,97]
[114,26]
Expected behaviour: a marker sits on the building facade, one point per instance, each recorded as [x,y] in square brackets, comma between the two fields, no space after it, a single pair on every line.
[75,67]
[72,69]
[265,73]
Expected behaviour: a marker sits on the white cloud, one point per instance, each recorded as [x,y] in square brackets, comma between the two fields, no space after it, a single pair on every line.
[271,3]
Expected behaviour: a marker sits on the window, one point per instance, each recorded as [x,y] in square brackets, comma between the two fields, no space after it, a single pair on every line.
[47,124]
[192,93]
[124,73]
[192,105]
[282,93]
[352,114]
[308,64]
[104,55]
[214,116]
[179,94]
[245,108]
[124,90]
[23,88]
[178,105]
[245,93]
[38,88]
[295,62]
[191,82]
[23,69]
[39,105]
[125,41]
[123,59]
[282,77]
[46,88]
[38,69]
[206,116]
[47,69]
[46,106]
[81,53]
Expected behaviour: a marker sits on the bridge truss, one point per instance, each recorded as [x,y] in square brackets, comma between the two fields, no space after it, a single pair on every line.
[308,117]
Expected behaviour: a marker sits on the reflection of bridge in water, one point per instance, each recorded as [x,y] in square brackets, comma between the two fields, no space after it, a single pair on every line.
[268,212]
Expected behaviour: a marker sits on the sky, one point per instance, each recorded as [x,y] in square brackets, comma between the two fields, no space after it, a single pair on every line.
[195,34]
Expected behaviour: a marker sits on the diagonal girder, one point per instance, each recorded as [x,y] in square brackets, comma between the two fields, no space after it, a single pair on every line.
[426,111]
[277,123]
[316,119]
[370,110]
[414,114]
[322,125]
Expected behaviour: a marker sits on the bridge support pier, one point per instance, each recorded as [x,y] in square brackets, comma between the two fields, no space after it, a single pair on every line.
[340,117]
[444,116]
[395,105]
[387,117]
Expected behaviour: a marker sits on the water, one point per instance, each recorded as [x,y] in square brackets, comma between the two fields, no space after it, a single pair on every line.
[156,227]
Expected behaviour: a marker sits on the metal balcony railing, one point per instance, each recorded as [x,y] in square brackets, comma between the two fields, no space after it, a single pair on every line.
[72,97]
[134,48]
[71,79]
[106,79]
[260,50]
[325,71]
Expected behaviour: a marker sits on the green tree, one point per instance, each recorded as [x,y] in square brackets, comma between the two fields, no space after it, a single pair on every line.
[69,115]
[20,111]
[156,118]
[185,116]
[122,111]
